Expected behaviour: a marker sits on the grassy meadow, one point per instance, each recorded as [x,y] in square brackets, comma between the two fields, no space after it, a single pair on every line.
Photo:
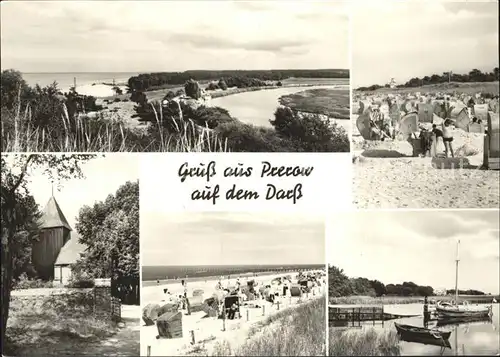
[334,103]
[57,325]
[363,342]
[297,332]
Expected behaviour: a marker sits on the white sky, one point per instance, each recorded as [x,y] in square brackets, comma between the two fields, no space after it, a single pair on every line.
[220,238]
[103,176]
[93,36]
[419,246]
[414,39]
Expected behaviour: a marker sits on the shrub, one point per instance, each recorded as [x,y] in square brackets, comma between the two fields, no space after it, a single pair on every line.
[180,92]
[78,280]
[212,86]
[222,84]
[24,282]
[116,100]
[210,117]
[139,97]
[192,89]
[314,133]
[279,84]
[170,94]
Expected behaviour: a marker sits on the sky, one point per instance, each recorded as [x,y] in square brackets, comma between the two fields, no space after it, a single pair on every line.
[136,36]
[419,246]
[221,238]
[103,176]
[415,39]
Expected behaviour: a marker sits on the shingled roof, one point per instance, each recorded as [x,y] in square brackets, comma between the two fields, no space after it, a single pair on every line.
[52,216]
[70,252]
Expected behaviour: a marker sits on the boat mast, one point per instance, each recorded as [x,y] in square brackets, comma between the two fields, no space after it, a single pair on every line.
[456,273]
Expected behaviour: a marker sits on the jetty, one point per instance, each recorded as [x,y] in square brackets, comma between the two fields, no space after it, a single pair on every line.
[352,314]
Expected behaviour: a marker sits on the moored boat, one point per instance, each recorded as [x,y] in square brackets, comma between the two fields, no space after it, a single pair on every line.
[421,333]
[465,310]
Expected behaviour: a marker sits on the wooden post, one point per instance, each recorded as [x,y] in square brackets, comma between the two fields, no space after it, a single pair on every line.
[193,341]
[278,303]
[263,310]
[248,315]
[224,319]
[373,316]
[149,351]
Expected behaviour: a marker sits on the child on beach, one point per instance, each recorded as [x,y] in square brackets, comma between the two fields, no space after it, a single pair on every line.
[448,137]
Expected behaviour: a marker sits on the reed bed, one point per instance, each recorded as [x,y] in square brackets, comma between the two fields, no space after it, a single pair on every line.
[391,300]
[84,134]
[363,342]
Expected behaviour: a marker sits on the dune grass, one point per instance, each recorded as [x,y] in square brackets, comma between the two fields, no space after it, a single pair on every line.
[300,332]
[363,342]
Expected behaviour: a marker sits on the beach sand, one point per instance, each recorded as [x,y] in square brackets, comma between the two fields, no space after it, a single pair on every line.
[386,176]
[208,331]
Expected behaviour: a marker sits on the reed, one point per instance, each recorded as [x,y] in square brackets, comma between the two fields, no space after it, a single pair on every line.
[102,134]
[363,342]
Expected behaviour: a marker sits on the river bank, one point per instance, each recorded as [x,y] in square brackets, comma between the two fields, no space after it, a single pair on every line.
[391,300]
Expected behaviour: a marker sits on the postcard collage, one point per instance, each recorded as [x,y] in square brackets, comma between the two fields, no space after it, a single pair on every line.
[250,178]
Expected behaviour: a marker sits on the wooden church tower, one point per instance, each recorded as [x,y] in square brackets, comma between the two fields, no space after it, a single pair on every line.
[54,233]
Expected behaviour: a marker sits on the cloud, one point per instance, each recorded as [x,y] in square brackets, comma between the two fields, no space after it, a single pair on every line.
[172,35]
[231,238]
[397,246]
[420,38]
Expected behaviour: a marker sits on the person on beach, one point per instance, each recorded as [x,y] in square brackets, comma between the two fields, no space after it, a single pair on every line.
[448,138]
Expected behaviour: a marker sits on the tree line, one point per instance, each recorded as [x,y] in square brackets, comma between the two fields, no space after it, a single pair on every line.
[241,78]
[474,75]
[340,285]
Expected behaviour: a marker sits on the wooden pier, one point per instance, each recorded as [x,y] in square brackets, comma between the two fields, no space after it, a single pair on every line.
[339,315]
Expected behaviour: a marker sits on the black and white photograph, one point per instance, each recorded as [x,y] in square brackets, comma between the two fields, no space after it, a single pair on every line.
[70,255]
[232,284]
[421,283]
[425,105]
[175,76]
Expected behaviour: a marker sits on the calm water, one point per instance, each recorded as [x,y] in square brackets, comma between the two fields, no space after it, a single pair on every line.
[65,80]
[150,274]
[258,107]
[473,338]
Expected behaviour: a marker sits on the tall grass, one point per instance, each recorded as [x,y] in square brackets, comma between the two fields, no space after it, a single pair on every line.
[300,332]
[39,321]
[363,342]
[83,134]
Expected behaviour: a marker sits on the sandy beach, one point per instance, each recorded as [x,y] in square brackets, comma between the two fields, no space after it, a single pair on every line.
[387,176]
[208,331]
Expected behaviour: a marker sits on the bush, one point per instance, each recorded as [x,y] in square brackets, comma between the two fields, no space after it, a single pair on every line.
[210,117]
[212,86]
[139,97]
[222,84]
[314,133]
[80,281]
[116,100]
[24,282]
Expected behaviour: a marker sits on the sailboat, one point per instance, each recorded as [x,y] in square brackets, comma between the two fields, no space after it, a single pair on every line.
[454,310]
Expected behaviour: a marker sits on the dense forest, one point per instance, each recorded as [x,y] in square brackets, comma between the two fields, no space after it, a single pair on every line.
[473,76]
[238,78]
[340,285]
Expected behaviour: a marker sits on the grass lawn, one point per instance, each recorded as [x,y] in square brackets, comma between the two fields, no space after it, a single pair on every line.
[331,102]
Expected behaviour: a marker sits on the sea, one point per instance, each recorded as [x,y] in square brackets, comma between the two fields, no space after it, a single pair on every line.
[65,80]
[152,274]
